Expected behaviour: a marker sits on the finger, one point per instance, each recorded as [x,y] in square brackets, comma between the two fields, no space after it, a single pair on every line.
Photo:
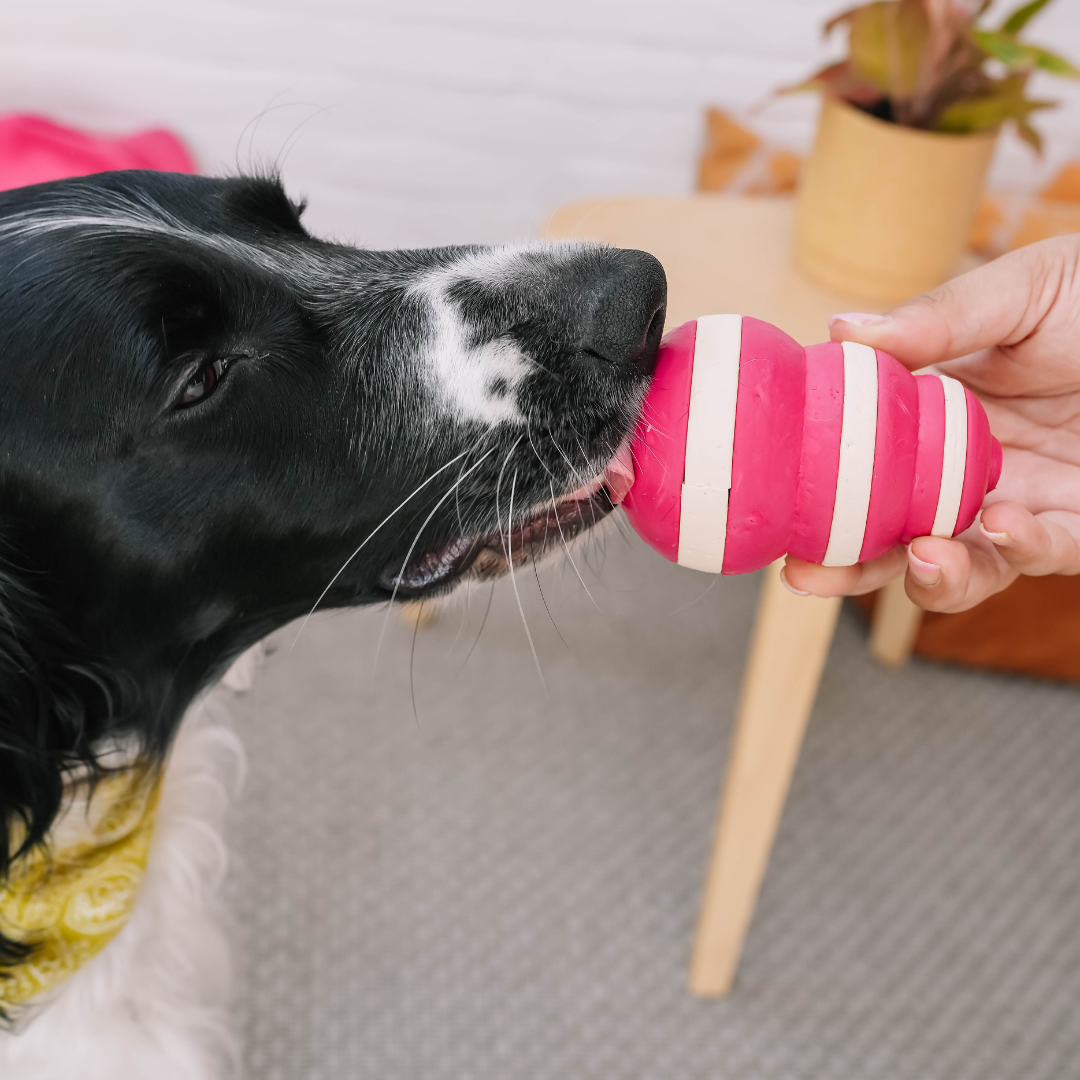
[1034,544]
[865,577]
[954,575]
[1000,303]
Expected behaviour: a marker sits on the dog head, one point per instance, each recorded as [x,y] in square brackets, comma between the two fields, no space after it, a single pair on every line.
[211,421]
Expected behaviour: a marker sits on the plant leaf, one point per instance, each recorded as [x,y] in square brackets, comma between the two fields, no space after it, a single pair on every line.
[887,40]
[984,112]
[1003,47]
[1018,57]
[840,80]
[836,20]
[1022,16]
[1029,135]
[1049,61]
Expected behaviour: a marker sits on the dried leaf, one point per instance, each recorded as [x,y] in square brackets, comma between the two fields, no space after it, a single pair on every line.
[1022,16]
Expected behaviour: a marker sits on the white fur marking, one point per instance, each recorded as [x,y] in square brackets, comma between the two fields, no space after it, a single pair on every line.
[467,379]
[480,382]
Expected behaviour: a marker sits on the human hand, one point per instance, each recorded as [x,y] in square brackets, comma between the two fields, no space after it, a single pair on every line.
[1010,331]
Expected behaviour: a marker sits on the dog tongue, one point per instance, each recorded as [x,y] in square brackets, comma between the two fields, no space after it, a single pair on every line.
[619,474]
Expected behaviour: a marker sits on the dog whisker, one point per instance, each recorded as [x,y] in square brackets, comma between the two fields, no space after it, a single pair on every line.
[585,457]
[578,478]
[700,596]
[543,546]
[416,491]
[416,539]
[540,588]
[513,581]
[412,664]
[555,508]
[457,486]
[536,453]
[483,623]
[623,528]
[465,608]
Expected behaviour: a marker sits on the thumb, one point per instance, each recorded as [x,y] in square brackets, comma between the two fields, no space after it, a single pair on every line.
[1000,303]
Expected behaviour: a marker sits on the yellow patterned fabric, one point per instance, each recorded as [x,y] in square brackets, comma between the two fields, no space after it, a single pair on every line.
[72,896]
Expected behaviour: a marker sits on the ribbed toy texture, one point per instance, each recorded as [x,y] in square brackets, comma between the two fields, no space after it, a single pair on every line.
[751,447]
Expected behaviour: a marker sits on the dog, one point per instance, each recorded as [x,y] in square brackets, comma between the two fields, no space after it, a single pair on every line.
[213,423]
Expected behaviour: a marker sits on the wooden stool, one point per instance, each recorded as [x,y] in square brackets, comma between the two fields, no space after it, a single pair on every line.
[729,254]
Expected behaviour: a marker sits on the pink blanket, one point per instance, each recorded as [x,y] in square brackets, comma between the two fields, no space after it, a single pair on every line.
[33,150]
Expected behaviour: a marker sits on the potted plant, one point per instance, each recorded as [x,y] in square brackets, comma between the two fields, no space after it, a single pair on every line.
[907,129]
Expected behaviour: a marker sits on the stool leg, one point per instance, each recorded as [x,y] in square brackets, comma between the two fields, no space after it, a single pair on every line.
[787,654]
[895,625]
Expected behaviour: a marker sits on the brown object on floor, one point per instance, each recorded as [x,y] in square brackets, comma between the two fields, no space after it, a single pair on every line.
[1031,628]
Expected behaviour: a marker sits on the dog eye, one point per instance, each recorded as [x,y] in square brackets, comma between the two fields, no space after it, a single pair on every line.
[202,384]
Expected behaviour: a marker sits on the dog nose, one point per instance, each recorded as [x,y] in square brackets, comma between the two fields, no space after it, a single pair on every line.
[628,310]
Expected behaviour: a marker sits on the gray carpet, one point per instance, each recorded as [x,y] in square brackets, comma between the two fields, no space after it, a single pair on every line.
[503,885]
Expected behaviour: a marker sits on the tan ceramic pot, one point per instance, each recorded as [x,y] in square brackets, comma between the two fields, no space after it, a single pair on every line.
[883,210]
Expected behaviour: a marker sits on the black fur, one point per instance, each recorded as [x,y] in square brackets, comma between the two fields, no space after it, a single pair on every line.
[146,544]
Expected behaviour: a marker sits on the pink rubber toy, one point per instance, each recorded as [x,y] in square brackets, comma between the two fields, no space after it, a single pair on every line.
[751,447]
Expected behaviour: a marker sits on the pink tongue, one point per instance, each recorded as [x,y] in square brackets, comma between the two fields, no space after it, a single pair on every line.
[619,474]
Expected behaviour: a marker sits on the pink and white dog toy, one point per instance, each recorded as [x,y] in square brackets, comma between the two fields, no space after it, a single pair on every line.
[751,447]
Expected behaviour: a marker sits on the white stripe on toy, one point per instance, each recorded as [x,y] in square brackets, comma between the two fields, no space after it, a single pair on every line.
[710,442]
[858,435]
[954,459]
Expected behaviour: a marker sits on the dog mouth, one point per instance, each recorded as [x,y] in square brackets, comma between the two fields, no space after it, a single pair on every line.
[491,554]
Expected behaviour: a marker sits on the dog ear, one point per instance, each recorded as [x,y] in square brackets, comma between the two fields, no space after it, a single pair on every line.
[56,704]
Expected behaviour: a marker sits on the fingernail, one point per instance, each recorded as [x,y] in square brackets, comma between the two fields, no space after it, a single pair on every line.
[999,539]
[789,586]
[857,318]
[925,573]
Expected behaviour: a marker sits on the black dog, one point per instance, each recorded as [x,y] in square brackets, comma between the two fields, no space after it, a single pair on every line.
[211,421]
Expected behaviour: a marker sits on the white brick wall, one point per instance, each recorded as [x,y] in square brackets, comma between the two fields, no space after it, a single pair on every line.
[431,121]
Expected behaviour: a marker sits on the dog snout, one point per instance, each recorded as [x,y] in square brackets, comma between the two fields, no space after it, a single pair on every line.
[629,303]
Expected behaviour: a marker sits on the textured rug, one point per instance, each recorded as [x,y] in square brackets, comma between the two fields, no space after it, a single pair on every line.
[446,870]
